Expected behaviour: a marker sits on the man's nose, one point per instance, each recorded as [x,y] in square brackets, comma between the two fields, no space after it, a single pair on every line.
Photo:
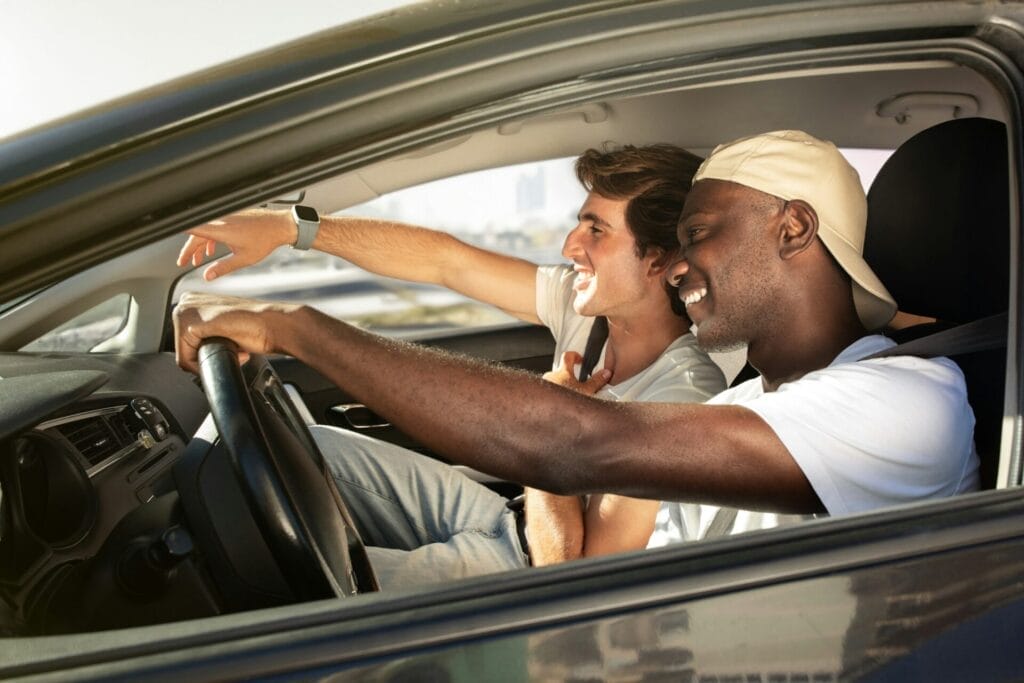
[675,272]
[571,245]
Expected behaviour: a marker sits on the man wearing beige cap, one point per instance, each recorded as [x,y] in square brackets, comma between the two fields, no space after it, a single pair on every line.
[772,232]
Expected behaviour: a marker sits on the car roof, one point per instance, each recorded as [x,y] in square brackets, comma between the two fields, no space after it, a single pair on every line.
[93,57]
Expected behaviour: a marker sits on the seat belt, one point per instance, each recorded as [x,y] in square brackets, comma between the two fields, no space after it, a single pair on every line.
[595,342]
[721,524]
[984,334]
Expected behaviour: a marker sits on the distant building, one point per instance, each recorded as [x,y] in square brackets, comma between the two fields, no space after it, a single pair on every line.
[531,192]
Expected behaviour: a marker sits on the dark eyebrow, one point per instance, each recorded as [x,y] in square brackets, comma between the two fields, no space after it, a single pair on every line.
[593,218]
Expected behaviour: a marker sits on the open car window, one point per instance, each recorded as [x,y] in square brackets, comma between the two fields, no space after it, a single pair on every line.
[523,210]
[111,451]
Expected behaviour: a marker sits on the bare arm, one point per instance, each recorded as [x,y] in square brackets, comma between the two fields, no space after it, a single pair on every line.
[562,528]
[554,525]
[510,422]
[388,248]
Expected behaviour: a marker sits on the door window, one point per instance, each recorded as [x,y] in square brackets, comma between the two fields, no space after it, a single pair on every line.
[524,210]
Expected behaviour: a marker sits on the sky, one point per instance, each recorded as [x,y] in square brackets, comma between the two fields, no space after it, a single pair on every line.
[60,56]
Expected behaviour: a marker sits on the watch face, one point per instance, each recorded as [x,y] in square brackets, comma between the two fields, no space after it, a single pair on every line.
[306,213]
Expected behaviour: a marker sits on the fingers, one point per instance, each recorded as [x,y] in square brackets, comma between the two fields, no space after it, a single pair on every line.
[192,250]
[249,236]
[570,359]
[564,373]
[186,350]
[186,343]
[596,381]
[197,249]
[249,324]
[201,243]
[228,264]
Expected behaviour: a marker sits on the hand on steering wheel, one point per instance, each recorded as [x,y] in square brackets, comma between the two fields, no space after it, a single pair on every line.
[286,483]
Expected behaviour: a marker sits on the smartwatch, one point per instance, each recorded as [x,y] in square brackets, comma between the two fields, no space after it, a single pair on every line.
[307,223]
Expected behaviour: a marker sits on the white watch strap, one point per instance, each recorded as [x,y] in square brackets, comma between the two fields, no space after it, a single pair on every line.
[305,229]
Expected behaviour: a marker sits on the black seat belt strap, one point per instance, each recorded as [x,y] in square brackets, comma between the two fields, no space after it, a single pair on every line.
[595,342]
[981,335]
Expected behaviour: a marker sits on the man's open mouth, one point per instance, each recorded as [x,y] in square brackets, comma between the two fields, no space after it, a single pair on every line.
[694,295]
[583,278]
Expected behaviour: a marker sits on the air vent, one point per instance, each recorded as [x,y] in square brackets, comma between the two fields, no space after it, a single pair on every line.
[122,429]
[93,438]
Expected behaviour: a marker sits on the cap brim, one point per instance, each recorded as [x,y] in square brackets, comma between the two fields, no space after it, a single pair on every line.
[875,306]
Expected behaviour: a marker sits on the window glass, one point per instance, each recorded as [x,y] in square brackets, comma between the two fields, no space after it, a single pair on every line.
[86,330]
[868,162]
[524,210]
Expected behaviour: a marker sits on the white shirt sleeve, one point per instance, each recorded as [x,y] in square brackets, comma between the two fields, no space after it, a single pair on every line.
[876,433]
[552,297]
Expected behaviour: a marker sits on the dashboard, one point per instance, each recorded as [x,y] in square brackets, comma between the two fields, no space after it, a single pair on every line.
[85,440]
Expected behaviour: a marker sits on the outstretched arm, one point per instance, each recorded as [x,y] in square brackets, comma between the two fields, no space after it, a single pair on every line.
[510,422]
[388,248]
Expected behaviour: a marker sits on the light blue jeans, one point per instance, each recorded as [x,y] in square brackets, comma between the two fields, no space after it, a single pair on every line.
[422,521]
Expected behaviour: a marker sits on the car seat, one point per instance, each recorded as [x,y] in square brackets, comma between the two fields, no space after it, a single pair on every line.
[938,237]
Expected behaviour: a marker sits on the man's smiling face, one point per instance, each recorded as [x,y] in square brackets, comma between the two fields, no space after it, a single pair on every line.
[610,278]
[727,274]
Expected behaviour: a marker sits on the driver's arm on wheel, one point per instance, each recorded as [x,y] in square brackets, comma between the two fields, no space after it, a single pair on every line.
[511,421]
[388,248]
[561,528]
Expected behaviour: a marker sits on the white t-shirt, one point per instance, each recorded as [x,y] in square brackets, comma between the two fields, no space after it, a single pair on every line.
[682,373]
[867,435]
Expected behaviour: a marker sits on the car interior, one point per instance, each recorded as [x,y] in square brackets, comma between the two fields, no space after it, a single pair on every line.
[114,480]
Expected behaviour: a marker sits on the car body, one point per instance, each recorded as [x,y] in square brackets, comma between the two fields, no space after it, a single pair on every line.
[93,206]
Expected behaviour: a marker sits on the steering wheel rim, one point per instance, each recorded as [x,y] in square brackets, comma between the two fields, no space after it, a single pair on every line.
[286,484]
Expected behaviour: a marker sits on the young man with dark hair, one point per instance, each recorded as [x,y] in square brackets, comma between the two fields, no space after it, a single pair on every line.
[423,521]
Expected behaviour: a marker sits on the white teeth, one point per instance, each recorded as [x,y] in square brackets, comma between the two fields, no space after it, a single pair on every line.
[695,296]
[583,277]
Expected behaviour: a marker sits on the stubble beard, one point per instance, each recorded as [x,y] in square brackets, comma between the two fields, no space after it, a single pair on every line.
[754,307]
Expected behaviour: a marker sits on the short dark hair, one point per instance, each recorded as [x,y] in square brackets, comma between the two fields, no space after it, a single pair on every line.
[655,179]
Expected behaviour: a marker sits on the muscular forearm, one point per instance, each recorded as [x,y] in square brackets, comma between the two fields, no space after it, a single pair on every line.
[510,423]
[554,526]
[408,252]
[501,421]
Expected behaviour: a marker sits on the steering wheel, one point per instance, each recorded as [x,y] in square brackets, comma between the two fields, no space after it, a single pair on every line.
[286,483]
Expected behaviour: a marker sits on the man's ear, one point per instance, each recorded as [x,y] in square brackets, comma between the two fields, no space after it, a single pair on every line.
[799,228]
[660,260]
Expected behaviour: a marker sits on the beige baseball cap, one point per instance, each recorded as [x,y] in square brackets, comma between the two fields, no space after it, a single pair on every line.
[791,164]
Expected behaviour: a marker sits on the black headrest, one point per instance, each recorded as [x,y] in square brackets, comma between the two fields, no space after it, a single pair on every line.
[938,221]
